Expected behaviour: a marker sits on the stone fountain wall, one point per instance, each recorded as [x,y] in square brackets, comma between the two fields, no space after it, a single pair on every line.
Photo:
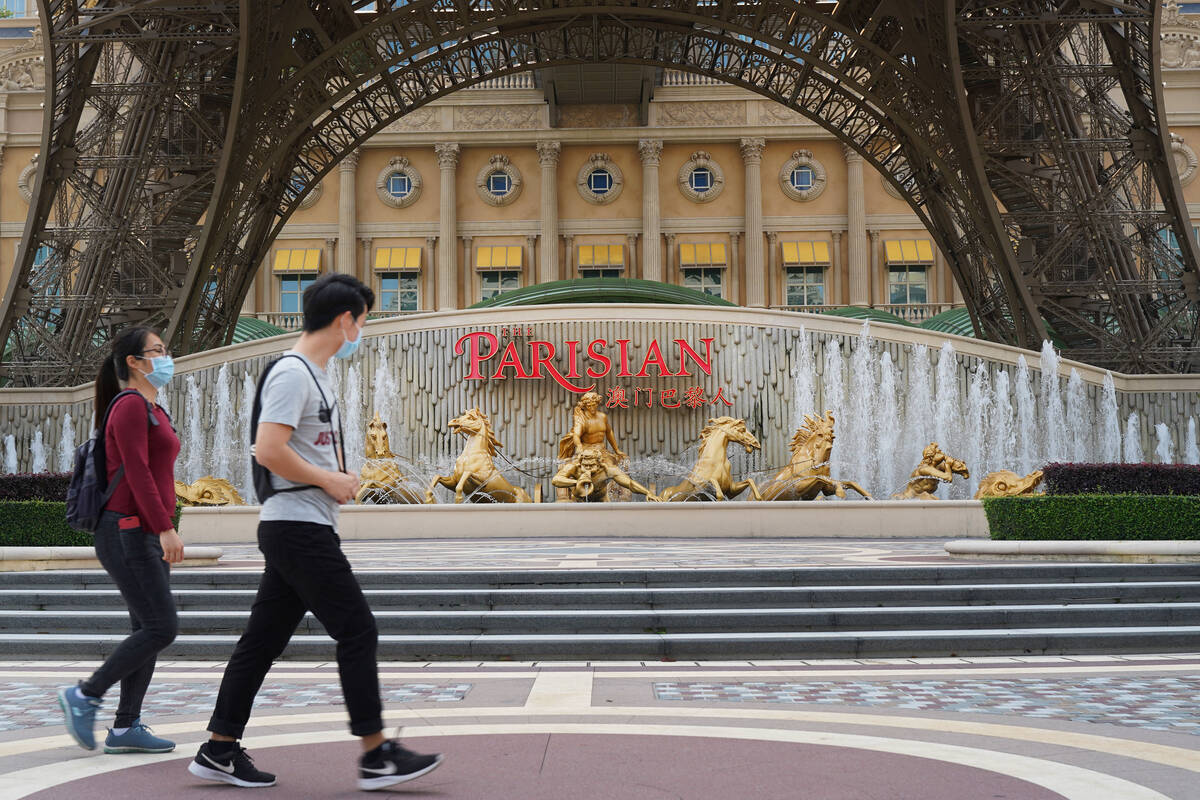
[408,371]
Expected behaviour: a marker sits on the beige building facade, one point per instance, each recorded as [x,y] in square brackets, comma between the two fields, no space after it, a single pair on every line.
[494,188]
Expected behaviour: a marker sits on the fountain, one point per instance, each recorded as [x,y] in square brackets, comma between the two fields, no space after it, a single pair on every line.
[918,411]
[887,448]
[1110,423]
[1028,450]
[975,433]
[1080,428]
[38,454]
[1164,451]
[66,445]
[835,398]
[1002,434]
[193,463]
[246,408]
[353,419]
[804,370]
[224,435]
[1133,440]
[10,454]
[946,427]
[1054,423]
[1191,451]
[860,430]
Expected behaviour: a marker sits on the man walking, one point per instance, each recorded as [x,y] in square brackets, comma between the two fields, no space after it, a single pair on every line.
[297,443]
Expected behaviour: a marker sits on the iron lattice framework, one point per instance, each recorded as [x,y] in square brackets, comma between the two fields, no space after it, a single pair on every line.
[1027,135]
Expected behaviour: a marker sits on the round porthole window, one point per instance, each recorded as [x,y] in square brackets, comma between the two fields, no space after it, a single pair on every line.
[701,178]
[600,180]
[802,176]
[499,182]
[398,184]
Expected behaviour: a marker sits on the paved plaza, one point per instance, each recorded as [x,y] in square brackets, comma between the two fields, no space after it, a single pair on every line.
[1019,727]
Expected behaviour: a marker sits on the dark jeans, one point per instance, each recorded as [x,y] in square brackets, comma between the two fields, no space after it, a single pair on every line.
[134,560]
[305,571]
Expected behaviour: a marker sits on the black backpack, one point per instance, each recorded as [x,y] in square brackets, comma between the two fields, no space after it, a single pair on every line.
[261,475]
[90,489]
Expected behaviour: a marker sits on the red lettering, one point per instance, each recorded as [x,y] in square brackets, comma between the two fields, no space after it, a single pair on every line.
[599,357]
[477,357]
[703,364]
[637,393]
[668,395]
[624,345]
[573,364]
[543,353]
[654,356]
[510,360]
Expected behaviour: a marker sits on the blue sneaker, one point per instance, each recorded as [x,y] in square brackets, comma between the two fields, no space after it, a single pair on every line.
[137,739]
[80,713]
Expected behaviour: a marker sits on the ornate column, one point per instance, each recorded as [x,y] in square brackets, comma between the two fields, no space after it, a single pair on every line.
[531,249]
[756,276]
[856,223]
[365,265]
[652,264]
[347,214]
[328,256]
[735,259]
[672,276]
[547,269]
[447,268]
[773,275]
[428,287]
[469,260]
[569,241]
[877,283]
[833,291]
[631,248]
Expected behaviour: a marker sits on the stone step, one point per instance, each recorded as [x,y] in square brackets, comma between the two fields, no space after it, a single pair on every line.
[667,646]
[196,599]
[625,621]
[1024,573]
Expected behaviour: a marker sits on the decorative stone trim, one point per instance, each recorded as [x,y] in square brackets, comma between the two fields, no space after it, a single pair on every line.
[24,179]
[398,165]
[701,160]
[600,161]
[650,151]
[1185,159]
[314,194]
[890,188]
[803,158]
[499,163]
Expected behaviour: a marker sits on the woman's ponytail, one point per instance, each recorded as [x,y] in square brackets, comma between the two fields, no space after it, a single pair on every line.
[131,342]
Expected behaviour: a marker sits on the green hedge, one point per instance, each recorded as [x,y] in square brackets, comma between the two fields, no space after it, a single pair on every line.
[1094,516]
[38,523]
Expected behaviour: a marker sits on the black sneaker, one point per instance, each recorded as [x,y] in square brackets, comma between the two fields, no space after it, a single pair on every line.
[390,764]
[234,767]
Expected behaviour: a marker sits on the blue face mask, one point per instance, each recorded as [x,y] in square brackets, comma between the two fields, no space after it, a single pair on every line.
[349,347]
[164,370]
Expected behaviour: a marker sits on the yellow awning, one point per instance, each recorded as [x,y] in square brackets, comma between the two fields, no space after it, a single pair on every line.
[600,256]
[298,260]
[805,254]
[398,259]
[703,254]
[909,251]
[498,257]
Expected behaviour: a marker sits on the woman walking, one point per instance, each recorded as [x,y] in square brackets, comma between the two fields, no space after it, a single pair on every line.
[136,540]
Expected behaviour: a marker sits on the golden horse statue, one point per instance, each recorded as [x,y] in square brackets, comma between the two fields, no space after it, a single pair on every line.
[1004,483]
[381,478]
[712,469]
[935,467]
[208,491]
[475,474]
[807,476]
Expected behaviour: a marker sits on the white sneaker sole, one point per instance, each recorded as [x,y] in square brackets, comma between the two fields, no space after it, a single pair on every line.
[116,750]
[66,709]
[371,784]
[201,771]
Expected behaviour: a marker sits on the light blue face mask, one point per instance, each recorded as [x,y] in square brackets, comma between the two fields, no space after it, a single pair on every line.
[349,347]
[162,372]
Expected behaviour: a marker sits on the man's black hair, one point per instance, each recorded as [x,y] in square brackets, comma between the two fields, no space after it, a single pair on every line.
[332,295]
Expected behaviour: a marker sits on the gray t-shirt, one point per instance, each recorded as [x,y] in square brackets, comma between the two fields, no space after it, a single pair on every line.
[290,397]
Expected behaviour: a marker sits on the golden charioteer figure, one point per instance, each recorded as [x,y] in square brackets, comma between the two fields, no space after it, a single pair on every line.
[588,465]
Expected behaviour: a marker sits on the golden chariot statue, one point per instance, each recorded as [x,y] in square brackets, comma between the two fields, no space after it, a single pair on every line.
[935,467]
[588,467]
[381,479]
[1004,483]
[807,476]
[208,491]
[475,474]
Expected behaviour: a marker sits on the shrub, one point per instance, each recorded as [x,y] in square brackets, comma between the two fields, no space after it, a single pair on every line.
[38,523]
[1094,516]
[42,486]
[1122,479]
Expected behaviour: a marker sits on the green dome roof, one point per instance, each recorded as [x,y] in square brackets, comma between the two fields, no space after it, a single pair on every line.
[956,321]
[602,290]
[873,314]
[249,328]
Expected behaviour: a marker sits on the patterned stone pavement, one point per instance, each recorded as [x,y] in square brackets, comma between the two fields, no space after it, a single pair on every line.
[616,553]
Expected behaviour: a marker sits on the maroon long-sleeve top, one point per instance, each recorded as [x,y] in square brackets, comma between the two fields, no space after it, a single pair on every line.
[148,454]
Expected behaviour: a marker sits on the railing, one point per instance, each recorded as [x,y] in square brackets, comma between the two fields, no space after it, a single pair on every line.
[294,321]
[675,77]
[915,313]
[518,80]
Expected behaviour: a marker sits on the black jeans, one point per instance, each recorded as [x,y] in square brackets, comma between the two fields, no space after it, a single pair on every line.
[134,560]
[305,571]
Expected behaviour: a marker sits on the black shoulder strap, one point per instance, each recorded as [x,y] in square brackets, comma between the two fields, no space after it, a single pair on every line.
[339,449]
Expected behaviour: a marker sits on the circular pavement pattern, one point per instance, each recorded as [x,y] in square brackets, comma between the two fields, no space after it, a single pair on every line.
[587,767]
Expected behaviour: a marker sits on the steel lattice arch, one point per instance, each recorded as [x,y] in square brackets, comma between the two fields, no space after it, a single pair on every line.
[1029,137]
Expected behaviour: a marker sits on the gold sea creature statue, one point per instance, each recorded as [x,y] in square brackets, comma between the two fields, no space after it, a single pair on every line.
[935,467]
[713,470]
[475,475]
[381,479]
[208,491]
[1005,483]
[807,477]
[588,466]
